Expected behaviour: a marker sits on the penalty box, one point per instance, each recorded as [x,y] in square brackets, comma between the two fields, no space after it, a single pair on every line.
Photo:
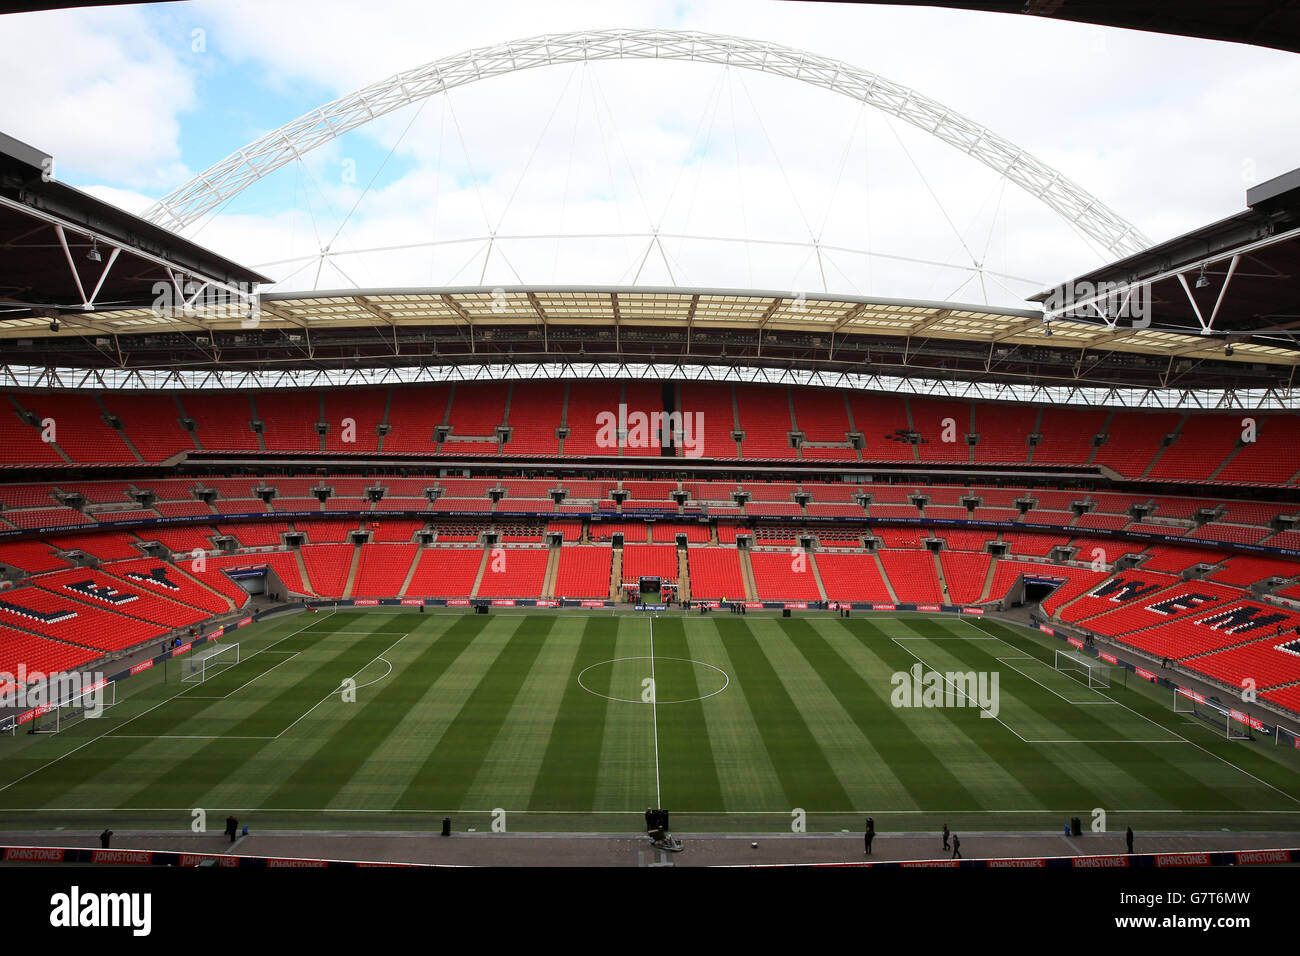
[1022,676]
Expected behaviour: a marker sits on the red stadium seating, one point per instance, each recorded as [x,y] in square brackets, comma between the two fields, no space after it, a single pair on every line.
[514,573]
[583,572]
[784,576]
[852,577]
[715,574]
[383,569]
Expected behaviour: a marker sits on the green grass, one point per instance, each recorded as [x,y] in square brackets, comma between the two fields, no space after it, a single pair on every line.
[542,715]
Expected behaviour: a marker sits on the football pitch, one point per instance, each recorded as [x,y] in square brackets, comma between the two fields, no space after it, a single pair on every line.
[372,720]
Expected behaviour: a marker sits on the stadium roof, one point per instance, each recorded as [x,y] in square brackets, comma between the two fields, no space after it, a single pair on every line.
[1271,23]
[1235,278]
[395,328]
[64,250]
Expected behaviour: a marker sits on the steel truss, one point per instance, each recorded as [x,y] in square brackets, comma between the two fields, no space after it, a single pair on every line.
[227,178]
[1129,397]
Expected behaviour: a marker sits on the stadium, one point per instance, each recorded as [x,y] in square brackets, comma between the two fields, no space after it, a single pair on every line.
[434,573]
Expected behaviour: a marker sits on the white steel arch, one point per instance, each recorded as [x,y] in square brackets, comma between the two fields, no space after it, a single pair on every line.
[227,178]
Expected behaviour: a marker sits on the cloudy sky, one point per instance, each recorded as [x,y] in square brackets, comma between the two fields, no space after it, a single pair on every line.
[751,180]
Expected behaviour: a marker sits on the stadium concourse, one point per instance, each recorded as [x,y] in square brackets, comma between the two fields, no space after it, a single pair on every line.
[524,492]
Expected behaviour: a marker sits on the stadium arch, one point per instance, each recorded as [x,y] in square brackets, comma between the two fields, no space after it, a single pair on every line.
[224,180]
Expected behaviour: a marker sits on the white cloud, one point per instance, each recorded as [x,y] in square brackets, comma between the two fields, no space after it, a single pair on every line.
[1166,130]
[98,91]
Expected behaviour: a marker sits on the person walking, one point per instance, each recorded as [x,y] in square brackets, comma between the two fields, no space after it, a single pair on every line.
[1128,839]
[945,837]
[105,838]
[956,847]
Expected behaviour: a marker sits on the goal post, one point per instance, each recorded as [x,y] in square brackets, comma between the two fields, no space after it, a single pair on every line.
[58,716]
[1233,724]
[208,662]
[1092,671]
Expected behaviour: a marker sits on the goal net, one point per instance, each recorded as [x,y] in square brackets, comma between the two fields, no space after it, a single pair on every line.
[57,717]
[208,662]
[1089,670]
[1233,725]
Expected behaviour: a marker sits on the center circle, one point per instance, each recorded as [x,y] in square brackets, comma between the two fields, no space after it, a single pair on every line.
[627,686]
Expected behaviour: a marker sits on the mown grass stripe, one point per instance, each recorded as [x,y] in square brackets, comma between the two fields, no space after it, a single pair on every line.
[449,770]
[337,756]
[1038,774]
[567,779]
[806,774]
[139,771]
[688,771]
[514,761]
[909,758]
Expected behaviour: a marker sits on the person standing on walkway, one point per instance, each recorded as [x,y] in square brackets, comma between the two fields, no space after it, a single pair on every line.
[1128,839]
[945,837]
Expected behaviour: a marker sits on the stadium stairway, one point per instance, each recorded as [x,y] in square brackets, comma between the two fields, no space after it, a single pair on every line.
[684,573]
[988,581]
[747,574]
[817,575]
[943,584]
[126,439]
[552,571]
[352,571]
[853,425]
[1029,458]
[1225,463]
[261,438]
[616,574]
[564,419]
[1105,430]
[880,567]
[1178,434]
[410,572]
[482,569]
[302,572]
[916,456]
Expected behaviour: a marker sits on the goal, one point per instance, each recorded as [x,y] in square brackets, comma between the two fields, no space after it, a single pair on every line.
[209,662]
[1234,727]
[1090,670]
[57,717]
